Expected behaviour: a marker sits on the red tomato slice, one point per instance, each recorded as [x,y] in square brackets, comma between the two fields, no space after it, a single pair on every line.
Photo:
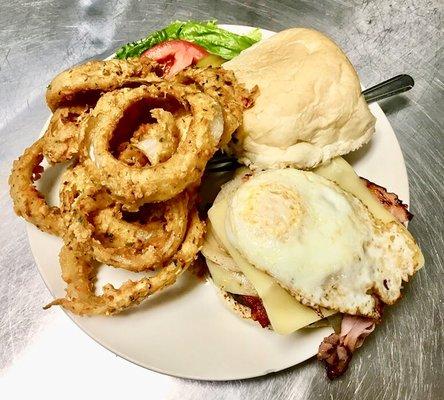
[175,55]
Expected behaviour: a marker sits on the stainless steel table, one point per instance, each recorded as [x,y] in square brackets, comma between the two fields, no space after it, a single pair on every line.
[44,355]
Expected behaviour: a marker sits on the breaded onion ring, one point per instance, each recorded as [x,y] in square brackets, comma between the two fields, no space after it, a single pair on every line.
[79,272]
[152,143]
[61,139]
[135,186]
[147,239]
[157,141]
[73,92]
[220,84]
[131,155]
[85,83]
[28,202]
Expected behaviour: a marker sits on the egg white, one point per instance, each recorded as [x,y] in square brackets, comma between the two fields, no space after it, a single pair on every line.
[319,242]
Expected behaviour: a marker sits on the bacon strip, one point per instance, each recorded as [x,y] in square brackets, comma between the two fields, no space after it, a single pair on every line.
[390,201]
[258,312]
[336,350]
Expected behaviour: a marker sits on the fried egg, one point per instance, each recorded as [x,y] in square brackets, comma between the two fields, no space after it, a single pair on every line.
[319,242]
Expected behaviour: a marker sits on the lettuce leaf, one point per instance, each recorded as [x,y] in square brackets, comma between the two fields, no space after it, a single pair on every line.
[204,33]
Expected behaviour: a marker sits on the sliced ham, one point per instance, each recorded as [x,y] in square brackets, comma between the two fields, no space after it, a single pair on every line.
[336,350]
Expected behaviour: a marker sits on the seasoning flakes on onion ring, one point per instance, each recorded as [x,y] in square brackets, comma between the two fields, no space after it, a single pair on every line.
[146,239]
[61,139]
[79,272]
[157,141]
[221,85]
[121,112]
[85,83]
[28,202]
[152,143]
[73,92]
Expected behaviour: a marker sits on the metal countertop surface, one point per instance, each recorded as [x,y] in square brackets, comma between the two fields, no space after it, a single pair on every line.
[42,353]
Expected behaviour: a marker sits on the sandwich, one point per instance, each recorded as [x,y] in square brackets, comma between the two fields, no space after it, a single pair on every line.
[288,248]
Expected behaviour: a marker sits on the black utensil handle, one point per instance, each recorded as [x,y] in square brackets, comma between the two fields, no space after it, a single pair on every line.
[395,85]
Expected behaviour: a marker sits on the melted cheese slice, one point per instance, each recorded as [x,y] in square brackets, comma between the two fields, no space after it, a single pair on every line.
[230,281]
[340,171]
[285,313]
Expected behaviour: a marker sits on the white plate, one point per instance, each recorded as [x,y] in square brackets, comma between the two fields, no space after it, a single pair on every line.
[185,331]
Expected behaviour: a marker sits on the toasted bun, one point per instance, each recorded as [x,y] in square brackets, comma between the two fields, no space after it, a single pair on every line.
[309,108]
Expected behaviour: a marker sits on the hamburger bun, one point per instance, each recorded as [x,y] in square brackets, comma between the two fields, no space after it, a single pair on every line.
[309,108]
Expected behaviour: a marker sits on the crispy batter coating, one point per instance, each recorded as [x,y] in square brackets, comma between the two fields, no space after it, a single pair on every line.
[138,241]
[131,155]
[61,139]
[28,202]
[152,143]
[79,272]
[135,186]
[222,85]
[138,145]
[85,83]
[157,141]
[73,92]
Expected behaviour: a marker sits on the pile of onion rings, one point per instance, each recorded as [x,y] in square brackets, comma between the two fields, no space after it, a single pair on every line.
[135,147]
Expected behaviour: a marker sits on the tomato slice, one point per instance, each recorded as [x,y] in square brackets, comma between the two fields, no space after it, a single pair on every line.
[175,55]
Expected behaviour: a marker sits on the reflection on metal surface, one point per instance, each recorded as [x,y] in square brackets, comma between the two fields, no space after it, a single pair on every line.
[403,359]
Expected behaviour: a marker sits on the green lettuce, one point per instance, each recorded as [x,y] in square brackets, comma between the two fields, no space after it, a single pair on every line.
[205,33]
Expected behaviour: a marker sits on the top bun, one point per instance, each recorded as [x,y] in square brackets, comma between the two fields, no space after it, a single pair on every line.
[309,108]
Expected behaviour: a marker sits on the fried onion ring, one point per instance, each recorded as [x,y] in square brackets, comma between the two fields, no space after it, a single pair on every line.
[147,239]
[85,83]
[61,139]
[157,141]
[131,155]
[73,92]
[28,202]
[79,272]
[135,186]
[220,84]
[138,146]
[152,143]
